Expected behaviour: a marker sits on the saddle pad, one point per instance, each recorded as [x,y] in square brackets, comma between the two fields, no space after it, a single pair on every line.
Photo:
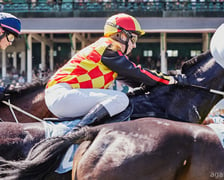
[219,130]
[217,118]
[58,128]
[53,129]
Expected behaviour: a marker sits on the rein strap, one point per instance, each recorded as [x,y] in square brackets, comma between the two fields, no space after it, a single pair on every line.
[209,90]
[20,110]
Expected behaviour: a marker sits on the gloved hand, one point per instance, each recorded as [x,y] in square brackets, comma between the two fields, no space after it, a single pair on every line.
[136,91]
[181,79]
[146,88]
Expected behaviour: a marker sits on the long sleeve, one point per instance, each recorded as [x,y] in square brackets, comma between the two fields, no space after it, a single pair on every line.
[131,74]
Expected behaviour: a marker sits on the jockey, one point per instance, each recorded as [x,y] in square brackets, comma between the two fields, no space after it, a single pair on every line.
[10,27]
[80,87]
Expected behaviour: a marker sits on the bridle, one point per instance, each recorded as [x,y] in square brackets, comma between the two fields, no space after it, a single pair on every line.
[213,91]
[11,107]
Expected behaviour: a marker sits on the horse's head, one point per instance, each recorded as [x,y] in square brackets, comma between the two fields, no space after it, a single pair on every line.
[204,71]
[208,68]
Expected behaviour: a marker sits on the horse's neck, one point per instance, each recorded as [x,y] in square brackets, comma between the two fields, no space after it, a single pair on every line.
[194,107]
[185,103]
[205,73]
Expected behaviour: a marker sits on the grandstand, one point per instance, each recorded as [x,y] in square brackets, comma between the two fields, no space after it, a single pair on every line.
[101,7]
[53,30]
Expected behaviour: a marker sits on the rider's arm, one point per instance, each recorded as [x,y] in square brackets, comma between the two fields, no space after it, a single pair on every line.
[130,73]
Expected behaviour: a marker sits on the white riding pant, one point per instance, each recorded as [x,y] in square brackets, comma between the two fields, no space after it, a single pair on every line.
[63,101]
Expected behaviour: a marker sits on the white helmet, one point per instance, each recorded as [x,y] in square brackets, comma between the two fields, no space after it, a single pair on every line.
[217,45]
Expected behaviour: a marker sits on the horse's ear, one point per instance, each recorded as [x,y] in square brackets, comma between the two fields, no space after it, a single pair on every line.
[188,64]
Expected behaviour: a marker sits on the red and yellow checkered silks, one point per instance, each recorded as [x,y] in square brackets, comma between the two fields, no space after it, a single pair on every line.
[85,69]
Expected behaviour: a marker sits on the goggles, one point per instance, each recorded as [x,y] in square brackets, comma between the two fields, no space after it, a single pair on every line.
[10,37]
[134,39]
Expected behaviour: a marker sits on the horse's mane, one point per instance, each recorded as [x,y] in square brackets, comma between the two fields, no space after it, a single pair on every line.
[26,88]
[188,64]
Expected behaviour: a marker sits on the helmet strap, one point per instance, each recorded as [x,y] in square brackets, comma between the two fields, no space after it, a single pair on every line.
[127,33]
[3,35]
[126,45]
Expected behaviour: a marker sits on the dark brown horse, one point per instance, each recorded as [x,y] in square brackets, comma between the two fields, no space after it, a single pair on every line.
[148,148]
[17,139]
[28,98]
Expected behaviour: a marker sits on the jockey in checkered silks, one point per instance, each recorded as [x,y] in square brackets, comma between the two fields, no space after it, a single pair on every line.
[81,86]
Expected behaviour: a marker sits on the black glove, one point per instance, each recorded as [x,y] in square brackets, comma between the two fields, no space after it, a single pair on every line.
[136,91]
[181,79]
[146,88]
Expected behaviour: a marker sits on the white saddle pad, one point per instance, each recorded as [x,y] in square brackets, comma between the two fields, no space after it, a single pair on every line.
[219,130]
[53,129]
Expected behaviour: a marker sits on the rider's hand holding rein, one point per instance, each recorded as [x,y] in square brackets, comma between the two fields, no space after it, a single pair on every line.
[81,86]
[180,79]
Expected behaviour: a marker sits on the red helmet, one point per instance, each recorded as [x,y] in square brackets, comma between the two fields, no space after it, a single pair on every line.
[122,22]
